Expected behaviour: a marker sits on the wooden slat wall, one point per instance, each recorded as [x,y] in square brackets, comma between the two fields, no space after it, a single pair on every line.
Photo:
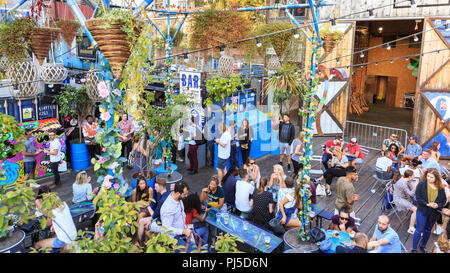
[440,79]
[430,123]
[433,61]
[346,7]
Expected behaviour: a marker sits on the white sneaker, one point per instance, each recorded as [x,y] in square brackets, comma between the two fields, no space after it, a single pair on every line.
[411,230]
[180,159]
[438,230]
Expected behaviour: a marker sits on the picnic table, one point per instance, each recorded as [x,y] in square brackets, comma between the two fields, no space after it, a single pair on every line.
[253,236]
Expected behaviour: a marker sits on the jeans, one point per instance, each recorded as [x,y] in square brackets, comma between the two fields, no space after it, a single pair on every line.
[54,168]
[203,232]
[423,226]
[325,159]
[192,155]
[234,156]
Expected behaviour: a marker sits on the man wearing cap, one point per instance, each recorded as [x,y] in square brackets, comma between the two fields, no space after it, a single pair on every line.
[413,150]
[353,152]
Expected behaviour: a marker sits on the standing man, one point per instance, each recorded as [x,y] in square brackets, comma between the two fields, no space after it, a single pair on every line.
[286,135]
[346,191]
[192,152]
[234,155]
[328,153]
[89,131]
[384,237]
[54,152]
[29,156]
[223,151]
[127,130]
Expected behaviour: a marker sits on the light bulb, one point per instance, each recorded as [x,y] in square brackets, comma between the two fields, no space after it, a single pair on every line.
[186,58]
[388,47]
[361,55]
[222,51]
[296,34]
[371,15]
[416,38]
[413,4]
[258,42]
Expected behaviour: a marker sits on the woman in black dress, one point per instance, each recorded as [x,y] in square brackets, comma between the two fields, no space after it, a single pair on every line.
[263,205]
[245,135]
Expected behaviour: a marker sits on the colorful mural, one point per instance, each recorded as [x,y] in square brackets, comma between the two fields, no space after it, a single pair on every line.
[440,101]
[14,166]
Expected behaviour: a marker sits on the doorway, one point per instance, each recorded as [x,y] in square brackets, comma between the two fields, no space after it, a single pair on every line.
[381,89]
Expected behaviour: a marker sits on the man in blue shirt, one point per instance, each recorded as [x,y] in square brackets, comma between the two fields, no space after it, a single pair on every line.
[428,161]
[384,237]
[413,150]
[145,223]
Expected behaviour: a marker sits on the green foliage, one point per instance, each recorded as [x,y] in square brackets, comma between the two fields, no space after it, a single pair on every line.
[213,28]
[125,17]
[227,244]
[15,38]
[159,42]
[337,34]
[221,88]
[414,66]
[161,243]
[286,83]
[10,137]
[17,201]
[279,42]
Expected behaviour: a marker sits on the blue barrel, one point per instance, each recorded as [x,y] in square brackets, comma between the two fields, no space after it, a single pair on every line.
[80,156]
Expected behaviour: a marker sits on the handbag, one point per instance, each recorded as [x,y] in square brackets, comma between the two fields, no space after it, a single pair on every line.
[320,190]
[198,242]
[316,235]
[276,226]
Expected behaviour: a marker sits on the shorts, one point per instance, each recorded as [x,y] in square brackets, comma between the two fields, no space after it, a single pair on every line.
[358,160]
[285,148]
[222,163]
[57,243]
[29,167]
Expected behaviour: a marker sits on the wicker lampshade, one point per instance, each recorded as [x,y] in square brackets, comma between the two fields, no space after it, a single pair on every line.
[225,67]
[91,86]
[53,73]
[273,63]
[25,76]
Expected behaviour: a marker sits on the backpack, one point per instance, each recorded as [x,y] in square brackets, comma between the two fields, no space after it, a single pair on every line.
[388,200]
[198,140]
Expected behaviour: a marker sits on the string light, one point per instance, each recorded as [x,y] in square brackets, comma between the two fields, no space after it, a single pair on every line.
[186,58]
[413,4]
[371,15]
[392,61]
[221,50]
[337,60]
[296,34]
[416,38]
[258,42]
[361,55]
[388,47]
[376,63]
[333,21]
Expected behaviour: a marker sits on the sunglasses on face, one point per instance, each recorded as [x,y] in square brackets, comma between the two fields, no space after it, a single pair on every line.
[343,218]
[394,136]
[252,163]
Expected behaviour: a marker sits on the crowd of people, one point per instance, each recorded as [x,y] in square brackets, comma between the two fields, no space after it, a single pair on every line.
[417,184]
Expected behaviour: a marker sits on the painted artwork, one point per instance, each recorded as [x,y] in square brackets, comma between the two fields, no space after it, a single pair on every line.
[443,138]
[14,166]
[441,102]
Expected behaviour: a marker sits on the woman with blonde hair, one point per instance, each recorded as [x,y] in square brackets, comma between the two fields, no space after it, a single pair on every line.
[276,180]
[339,162]
[430,196]
[298,150]
[82,188]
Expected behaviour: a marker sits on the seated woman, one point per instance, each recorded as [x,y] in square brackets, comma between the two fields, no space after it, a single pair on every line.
[252,170]
[39,199]
[143,192]
[82,188]
[338,164]
[276,180]
[193,208]
[288,209]
[394,156]
[343,221]
[403,192]
[263,205]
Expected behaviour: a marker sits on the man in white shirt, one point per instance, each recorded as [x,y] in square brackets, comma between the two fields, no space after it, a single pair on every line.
[384,162]
[63,226]
[54,151]
[172,211]
[244,192]
[223,151]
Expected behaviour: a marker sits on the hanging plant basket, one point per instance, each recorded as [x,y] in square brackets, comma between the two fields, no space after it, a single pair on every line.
[225,66]
[112,41]
[24,77]
[41,40]
[91,86]
[329,42]
[53,73]
[68,29]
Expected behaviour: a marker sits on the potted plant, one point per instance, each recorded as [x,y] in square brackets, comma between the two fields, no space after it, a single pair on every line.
[41,41]
[68,29]
[115,32]
[329,37]
[74,102]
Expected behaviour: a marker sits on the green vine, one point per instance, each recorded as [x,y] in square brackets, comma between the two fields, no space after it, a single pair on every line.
[15,38]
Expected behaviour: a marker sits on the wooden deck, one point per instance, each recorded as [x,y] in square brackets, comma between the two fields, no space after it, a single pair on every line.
[368,208]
